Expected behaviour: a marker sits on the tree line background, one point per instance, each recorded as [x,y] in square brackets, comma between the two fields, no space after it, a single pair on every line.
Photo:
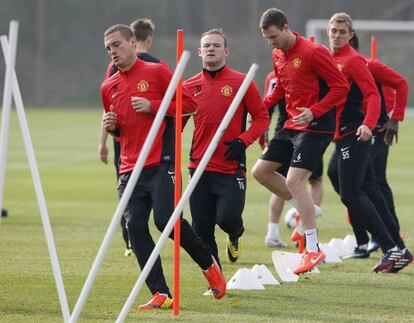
[61,59]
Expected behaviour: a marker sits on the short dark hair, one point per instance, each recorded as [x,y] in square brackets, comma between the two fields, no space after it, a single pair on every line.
[217,31]
[125,31]
[354,42]
[273,17]
[142,28]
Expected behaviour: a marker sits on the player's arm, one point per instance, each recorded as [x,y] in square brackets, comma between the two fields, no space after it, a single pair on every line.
[325,67]
[260,122]
[102,147]
[386,76]
[259,115]
[109,119]
[359,72]
[274,96]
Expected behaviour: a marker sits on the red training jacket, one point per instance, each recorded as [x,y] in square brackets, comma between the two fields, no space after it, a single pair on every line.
[150,81]
[397,91]
[300,72]
[213,97]
[352,114]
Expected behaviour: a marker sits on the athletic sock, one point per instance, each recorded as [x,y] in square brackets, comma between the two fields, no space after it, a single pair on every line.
[363,246]
[312,240]
[273,229]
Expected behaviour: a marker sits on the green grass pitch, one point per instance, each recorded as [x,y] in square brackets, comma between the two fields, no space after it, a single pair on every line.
[81,199]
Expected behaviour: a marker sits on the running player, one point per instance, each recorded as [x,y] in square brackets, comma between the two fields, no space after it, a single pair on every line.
[355,122]
[301,67]
[144,33]
[131,97]
[272,238]
[219,196]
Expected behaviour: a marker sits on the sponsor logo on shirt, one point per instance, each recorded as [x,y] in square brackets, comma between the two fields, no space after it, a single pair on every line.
[296,62]
[142,86]
[226,90]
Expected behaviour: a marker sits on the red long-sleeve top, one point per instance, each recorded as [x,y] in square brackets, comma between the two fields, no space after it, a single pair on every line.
[309,78]
[213,97]
[389,98]
[394,87]
[150,81]
[354,112]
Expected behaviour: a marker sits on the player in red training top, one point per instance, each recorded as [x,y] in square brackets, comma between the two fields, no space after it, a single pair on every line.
[143,30]
[382,75]
[303,70]
[131,98]
[272,238]
[219,196]
[394,90]
[355,122]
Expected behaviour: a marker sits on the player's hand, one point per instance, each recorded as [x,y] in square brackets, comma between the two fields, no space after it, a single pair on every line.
[103,153]
[262,141]
[364,133]
[303,118]
[141,104]
[391,131]
[109,119]
[235,150]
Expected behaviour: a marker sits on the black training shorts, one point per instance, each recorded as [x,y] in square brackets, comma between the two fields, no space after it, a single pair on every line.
[298,149]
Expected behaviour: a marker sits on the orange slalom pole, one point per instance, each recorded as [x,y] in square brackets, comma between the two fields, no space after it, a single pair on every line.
[177,187]
[373,47]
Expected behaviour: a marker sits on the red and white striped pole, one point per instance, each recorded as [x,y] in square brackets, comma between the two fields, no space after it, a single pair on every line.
[177,187]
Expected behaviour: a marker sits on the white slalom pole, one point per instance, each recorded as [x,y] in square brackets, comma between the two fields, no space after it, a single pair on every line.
[189,190]
[159,118]
[7,103]
[38,188]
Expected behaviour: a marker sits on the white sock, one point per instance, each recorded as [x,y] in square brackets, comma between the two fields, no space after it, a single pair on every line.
[312,240]
[273,229]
